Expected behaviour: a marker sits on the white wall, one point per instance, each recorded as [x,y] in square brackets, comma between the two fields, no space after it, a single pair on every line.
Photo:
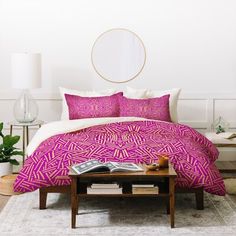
[190,44]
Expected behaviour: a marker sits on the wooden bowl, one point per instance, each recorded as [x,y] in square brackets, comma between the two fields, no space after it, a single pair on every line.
[152,166]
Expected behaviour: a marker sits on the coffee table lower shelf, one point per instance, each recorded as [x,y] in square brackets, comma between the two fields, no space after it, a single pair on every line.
[79,184]
[170,201]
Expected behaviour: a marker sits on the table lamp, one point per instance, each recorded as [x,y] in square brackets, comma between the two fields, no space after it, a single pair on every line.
[26,74]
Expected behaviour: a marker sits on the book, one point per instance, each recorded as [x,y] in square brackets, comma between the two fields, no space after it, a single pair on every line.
[96,166]
[105,186]
[145,190]
[143,185]
[104,190]
[227,135]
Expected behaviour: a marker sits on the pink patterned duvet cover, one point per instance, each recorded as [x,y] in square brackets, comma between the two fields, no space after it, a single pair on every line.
[191,154]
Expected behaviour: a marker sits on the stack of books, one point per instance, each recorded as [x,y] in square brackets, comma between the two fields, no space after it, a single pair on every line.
[104,189]
[145,189]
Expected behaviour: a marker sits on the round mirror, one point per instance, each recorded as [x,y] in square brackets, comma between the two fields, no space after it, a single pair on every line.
[118,55]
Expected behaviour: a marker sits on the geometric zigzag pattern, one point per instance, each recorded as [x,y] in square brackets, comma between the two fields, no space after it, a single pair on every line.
[191,154]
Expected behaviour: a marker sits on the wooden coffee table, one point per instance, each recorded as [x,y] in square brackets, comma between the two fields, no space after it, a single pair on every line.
[163,178]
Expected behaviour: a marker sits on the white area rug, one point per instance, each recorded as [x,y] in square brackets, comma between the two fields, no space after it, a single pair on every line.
[112,216]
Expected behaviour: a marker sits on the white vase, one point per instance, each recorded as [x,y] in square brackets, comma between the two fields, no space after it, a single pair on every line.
[5,168]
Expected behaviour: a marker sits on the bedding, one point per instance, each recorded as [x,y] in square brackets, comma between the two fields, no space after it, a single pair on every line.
[58,145]
[150,108]
[93,107]
[63,91]
[149,93]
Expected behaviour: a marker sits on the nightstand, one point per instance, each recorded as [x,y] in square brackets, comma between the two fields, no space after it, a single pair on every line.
[223,166]
[25,132]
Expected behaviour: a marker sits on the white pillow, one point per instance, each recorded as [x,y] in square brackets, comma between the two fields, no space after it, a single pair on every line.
[63,91]
[146,93]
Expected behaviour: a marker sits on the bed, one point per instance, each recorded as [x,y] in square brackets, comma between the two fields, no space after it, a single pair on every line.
[58,145]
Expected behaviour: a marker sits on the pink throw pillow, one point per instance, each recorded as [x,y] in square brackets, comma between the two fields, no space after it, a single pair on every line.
[150,108]
[93,107]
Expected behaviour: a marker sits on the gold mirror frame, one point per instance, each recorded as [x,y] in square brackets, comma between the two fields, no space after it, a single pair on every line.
[109,79]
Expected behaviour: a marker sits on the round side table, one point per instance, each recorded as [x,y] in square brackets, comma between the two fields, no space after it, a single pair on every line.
[25,132]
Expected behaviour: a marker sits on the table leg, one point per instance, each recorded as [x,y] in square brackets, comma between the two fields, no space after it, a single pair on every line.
[167,199]
[23,144]
[167,206]
[74,201]
[27,135]
[172,201]
[42,199]
[11,126]
[199,194]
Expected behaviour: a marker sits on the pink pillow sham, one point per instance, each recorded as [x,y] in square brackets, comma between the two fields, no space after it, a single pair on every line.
[150,108]
[93,107]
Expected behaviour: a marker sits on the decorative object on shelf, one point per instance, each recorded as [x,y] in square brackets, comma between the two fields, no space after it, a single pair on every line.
[152,166]
[26,74]
[118,55]
[7,151]
[25,132]
[220,125]
[163,161]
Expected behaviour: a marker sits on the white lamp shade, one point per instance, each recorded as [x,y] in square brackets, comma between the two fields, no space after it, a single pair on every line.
[26,70]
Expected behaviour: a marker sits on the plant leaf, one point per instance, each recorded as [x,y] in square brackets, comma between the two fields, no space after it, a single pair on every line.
[15,153]
[1,126]
[7,151]
[14,162]
[9,140]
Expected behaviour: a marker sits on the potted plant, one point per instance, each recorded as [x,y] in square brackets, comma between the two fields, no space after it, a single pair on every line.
[7,151]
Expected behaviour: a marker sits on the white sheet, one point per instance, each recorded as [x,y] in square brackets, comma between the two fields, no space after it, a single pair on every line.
[66,126]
